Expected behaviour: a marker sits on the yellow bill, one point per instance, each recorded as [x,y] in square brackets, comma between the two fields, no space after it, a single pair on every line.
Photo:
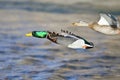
[75,24]
[28,34]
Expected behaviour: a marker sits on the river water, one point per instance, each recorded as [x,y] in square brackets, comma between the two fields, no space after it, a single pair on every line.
[23,58]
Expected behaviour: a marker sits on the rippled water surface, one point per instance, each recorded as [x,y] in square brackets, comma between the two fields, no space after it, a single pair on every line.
[23,58]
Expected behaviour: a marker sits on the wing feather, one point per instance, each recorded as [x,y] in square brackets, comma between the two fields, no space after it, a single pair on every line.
[108,19]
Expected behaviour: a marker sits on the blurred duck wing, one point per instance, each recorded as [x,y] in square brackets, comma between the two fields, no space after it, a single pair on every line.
[108,19]
[61,38]
[70,34]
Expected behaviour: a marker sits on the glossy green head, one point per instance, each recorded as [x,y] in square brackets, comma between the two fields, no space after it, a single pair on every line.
[38,34]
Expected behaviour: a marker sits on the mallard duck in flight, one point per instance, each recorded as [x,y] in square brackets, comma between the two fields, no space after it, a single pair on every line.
[108,24]
[65,38]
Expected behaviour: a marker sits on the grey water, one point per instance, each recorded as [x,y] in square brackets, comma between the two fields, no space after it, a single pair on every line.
[23,58]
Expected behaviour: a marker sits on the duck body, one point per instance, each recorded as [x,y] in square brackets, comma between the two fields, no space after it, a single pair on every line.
[108,24]
[71,40]
[105,29]
[67,39]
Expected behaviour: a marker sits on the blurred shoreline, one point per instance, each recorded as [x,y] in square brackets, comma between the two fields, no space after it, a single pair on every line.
[60,7]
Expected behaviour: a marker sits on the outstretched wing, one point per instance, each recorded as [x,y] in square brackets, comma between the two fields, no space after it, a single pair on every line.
[108,19]
[70,34]
[73,37]
[64,38]
[59,38]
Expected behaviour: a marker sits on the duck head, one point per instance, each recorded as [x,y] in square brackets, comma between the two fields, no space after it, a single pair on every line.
[81,23]
[38,34]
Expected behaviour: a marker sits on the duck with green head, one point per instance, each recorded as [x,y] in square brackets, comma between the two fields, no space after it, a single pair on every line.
[38,34]
[65,38]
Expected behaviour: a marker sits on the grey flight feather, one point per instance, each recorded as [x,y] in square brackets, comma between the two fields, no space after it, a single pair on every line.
[112,20]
